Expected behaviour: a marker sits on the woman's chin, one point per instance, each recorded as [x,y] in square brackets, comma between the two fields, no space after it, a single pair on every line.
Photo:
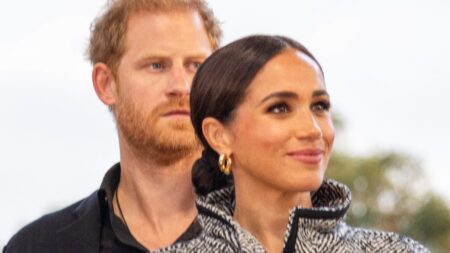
[303,184]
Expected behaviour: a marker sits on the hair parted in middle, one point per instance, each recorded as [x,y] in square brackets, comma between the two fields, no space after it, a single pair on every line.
[219,86]
[108,31]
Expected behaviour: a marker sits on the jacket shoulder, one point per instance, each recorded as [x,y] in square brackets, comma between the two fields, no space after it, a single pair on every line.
[380,241]
[41,234]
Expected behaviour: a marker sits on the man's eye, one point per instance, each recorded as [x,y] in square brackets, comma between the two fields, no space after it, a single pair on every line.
[279,108]
[193,66]
[156,65]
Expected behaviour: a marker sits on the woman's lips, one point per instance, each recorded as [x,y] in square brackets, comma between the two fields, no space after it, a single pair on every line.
[307,156]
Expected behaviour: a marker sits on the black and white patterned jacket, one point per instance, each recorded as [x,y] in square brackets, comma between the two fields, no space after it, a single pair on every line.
[318,229]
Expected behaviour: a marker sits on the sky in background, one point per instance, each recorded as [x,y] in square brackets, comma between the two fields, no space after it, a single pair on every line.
[386,65]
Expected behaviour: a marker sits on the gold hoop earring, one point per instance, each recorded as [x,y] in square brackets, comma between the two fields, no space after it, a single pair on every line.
[225,164]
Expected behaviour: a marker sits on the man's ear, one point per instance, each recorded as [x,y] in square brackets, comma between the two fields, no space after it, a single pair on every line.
[104,84]
[217,136]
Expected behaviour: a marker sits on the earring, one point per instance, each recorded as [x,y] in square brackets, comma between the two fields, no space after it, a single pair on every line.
[225,164]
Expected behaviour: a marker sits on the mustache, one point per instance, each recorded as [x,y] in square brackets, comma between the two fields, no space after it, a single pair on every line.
[176,103]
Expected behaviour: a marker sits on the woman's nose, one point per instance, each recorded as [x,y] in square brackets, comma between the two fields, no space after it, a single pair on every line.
[307,125]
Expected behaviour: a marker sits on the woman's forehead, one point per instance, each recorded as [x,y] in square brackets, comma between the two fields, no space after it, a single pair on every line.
[289,68]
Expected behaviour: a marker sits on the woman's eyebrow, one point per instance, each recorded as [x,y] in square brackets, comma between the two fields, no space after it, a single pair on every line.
[318,93]
[281,94]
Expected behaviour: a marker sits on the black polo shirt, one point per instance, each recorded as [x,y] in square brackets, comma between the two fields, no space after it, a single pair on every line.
[115,236]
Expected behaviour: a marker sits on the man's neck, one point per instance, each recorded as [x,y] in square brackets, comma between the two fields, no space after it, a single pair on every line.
[157,201]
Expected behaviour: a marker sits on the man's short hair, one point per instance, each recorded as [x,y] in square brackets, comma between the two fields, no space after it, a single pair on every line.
[108,31]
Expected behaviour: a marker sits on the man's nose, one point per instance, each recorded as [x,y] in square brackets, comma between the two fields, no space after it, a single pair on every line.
[179,82]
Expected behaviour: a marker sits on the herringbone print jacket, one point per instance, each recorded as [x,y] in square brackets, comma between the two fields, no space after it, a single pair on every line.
[319,229]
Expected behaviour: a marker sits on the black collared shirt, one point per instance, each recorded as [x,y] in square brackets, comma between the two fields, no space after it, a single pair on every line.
[115,236]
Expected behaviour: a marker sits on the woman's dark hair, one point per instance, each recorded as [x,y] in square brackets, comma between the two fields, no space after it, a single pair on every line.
[218,88]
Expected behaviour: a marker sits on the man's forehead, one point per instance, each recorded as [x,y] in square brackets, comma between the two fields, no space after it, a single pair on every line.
[166,35]
[164,18]
[167,31]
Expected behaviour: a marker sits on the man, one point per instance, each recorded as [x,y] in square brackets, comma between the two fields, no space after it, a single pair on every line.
[144,55]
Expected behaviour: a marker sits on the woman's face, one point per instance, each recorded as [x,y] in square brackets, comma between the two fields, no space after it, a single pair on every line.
[282,133]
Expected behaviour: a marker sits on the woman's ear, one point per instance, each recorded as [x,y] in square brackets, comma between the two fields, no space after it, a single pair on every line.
[217,135]
[104,84]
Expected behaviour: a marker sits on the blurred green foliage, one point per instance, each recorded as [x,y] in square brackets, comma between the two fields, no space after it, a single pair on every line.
[390,193]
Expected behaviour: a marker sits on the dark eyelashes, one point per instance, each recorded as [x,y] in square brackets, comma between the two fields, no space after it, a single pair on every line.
[283,107]
[280,107]
[325,105]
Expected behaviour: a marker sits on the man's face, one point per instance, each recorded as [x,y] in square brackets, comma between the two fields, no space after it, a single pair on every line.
[162,53]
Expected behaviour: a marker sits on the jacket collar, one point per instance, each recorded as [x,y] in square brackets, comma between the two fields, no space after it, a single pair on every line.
[83,234]
[330,204]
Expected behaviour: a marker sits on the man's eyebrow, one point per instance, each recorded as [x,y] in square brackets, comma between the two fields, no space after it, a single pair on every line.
[281,94]
[153,57]
[197,56]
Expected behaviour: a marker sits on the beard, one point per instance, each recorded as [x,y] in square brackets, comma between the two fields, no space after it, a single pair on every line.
[152,137]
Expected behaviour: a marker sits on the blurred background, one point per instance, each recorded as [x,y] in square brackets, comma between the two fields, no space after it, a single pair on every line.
[386,65]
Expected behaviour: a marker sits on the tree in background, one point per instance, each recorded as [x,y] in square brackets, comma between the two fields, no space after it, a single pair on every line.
[389,193]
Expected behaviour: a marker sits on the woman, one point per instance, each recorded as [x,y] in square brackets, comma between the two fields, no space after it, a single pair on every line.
[261,110]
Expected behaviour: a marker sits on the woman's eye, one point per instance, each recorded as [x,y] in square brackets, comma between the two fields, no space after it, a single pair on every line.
[279,108]
[321,107]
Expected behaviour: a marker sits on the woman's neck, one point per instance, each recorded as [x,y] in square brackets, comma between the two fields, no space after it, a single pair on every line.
[264,212]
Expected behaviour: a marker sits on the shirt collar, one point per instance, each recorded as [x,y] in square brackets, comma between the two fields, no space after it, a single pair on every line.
[108,188]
